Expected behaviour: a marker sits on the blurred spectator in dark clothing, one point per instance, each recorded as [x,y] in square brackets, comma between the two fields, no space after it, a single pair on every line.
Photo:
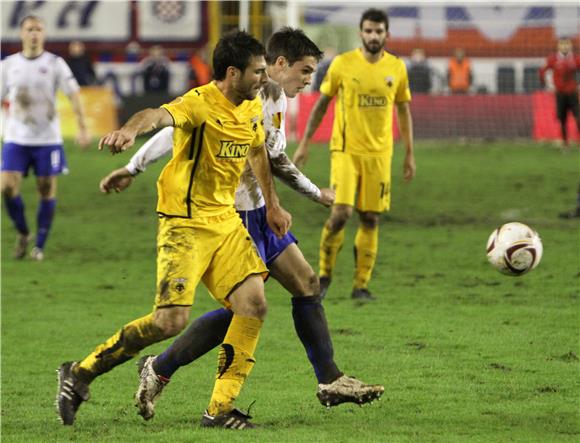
[329,54]
[80,64]
[155,70]
[419,72]
[199,71]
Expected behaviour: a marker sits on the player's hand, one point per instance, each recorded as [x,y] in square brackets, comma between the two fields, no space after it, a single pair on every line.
[279,220]
[83,139]
[118,180]
[409,167]
[301,155]
[327,196]
[118,141]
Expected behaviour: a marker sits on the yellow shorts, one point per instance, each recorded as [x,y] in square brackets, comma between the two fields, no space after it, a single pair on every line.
[364,177]
[216,250]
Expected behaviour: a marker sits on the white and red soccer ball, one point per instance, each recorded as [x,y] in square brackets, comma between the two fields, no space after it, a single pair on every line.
[514,249]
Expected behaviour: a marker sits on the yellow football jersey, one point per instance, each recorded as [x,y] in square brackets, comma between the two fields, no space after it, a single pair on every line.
[363,113]
[211,142]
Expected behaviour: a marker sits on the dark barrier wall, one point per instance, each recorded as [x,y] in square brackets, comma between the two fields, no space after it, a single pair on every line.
[131,105]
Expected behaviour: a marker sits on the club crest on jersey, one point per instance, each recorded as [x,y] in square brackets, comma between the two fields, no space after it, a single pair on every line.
[179,284]
[389,80]
[232,151]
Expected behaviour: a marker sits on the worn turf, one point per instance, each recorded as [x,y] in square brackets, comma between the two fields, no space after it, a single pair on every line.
[465,354]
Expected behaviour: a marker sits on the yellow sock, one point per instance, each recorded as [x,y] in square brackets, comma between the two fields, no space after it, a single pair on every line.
[236,360]
[119,348]
[330,245]
[366,244]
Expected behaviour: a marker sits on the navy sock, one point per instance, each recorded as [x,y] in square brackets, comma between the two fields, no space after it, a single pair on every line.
[44,220]
[204,334]
[15,208]
[312,328]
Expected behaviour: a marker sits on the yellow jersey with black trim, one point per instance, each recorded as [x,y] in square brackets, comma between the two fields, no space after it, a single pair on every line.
[366,92]
[211,142]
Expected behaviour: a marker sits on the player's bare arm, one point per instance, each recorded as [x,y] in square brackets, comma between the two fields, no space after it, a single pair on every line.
[406,128]
[118,180]
[141,123]
[278,218]
[83,138]
[285,170]
[301,154]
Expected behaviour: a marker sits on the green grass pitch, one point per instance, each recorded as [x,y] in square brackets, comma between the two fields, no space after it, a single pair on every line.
[465,354]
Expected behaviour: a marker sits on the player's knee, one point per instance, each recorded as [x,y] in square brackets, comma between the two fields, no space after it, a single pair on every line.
[45,189]
[8,190]
[369,219]
[338,221]
[170,322]
[258,306]
[253,305]
[311,283]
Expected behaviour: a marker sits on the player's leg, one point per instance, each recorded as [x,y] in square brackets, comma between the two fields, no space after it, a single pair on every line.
[373,198]
[177,277]
[46,187]
[344,179]
[236,359]
[49,162]
[296,275]
[15,163]
[74,377]
[202,335]
[331,240]
[235,278]
[366,244]
[562,114]
[575,110]
[205,332]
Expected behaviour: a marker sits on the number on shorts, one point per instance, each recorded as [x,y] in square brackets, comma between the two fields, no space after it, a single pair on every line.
[55,159]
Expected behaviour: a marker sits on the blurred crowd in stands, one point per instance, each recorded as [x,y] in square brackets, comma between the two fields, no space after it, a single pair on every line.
[142,71]
[148,71]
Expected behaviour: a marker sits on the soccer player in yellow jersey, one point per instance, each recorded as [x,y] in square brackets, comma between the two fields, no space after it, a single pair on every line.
[367,82]
[201,237]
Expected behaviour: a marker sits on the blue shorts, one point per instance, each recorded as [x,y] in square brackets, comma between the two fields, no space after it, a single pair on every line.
[47,160]
[269,246]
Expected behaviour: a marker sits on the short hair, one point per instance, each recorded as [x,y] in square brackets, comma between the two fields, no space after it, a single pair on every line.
[375,15]
[292,44]
[235,49]
[30,17]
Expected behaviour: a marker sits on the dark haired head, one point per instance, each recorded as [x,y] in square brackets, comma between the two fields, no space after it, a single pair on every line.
[29,17]
[375,15]
[235,49]
[291,44]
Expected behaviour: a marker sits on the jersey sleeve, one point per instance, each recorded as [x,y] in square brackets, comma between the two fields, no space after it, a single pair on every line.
[159,145]
[274,113]
[186,110]
[65,78]
[331,81]
[403,91]
[3,79]
[257,120]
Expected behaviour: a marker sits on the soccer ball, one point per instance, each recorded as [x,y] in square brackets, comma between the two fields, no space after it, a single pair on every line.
[514,249]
